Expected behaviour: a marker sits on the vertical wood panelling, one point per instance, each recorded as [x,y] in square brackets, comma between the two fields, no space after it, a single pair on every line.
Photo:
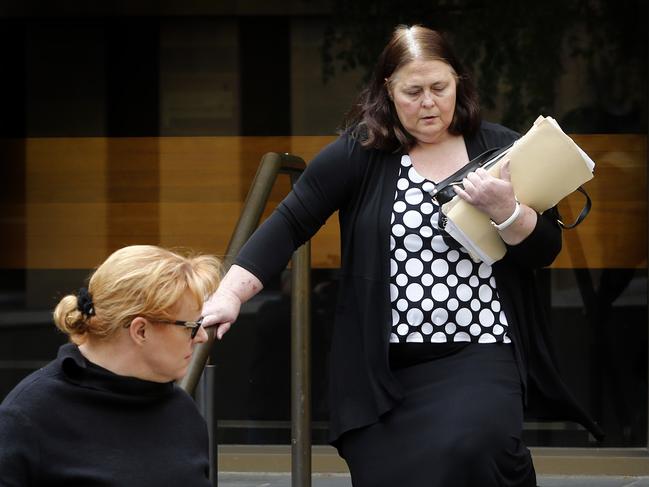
[188,192]
[199,191]
[615,232]
[132,191]
[66,202]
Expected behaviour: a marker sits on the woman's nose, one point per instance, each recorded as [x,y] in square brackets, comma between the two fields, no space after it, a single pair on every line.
[427,99]
[201,336]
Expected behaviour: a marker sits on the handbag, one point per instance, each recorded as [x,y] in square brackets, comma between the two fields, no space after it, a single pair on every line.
[444,192]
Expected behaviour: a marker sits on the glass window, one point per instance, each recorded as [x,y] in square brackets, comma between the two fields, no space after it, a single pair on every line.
[148,129]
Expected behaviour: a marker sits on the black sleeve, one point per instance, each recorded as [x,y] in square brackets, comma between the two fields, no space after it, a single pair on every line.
[324,187]
[541,247]
[19,454]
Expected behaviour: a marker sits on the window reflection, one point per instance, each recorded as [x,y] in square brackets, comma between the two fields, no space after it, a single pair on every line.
[104,151]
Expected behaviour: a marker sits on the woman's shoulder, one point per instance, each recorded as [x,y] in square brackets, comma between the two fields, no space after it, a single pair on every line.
[348,145]
[345,155]
[490,135]
[35,389]
[493,130]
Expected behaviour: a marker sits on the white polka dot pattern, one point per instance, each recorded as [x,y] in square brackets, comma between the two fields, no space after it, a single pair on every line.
[438,294]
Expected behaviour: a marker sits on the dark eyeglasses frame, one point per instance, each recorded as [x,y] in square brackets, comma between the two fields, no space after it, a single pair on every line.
[194,326]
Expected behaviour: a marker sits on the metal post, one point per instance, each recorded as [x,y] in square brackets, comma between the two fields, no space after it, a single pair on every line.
[301,368]
[206,406]
[647,270]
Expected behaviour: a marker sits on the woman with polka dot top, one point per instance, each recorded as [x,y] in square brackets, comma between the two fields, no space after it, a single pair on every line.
[433,355]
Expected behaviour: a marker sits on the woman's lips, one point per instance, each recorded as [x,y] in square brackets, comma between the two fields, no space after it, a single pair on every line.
[429,119]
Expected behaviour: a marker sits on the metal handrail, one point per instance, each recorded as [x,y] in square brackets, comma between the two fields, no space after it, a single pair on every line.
[270,166]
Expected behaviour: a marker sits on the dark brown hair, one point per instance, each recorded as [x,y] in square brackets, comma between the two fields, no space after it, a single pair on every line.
[373,118]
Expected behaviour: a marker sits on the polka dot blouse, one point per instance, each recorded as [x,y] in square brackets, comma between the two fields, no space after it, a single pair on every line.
[438,294]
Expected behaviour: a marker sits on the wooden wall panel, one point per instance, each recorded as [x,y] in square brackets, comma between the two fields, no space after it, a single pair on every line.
[66,235]
[614,235]
[76,211]
[200,191]
[132,192]
[66,202]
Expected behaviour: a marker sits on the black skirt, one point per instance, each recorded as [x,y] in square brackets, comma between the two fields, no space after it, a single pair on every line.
[459,425]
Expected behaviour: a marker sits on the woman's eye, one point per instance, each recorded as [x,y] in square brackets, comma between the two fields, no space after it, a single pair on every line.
[412,92]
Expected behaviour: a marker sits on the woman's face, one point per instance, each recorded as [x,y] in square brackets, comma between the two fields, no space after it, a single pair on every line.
[424,95]
[170,347]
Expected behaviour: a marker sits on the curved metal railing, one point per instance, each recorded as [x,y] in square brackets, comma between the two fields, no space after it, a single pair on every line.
[272,164]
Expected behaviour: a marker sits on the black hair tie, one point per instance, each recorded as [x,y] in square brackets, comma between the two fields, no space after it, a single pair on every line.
[84,302]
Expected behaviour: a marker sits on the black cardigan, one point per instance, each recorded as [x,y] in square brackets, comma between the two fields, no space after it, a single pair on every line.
[70,424]
[360,183]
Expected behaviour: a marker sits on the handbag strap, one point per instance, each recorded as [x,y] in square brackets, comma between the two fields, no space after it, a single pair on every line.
[584,211]
[475,163]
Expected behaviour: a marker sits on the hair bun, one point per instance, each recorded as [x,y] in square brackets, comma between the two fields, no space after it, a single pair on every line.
[70,319]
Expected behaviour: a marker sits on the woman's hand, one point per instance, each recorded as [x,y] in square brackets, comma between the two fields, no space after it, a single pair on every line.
[495,197]
[222,308]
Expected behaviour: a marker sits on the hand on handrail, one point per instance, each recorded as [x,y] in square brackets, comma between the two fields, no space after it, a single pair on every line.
[223,307]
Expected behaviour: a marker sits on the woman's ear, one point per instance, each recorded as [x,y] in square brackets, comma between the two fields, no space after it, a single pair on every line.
[138,330]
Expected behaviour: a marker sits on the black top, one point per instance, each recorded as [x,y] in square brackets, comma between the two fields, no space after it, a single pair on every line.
[73,423]
[360,184]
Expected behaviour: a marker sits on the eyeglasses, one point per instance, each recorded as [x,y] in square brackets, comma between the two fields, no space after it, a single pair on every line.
[194,326]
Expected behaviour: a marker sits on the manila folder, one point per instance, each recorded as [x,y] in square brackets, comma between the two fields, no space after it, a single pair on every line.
[546,166]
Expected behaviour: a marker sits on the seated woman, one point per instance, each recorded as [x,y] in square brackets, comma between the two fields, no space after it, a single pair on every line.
[107,411]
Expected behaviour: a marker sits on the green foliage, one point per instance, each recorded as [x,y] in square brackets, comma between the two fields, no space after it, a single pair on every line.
[516,49]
